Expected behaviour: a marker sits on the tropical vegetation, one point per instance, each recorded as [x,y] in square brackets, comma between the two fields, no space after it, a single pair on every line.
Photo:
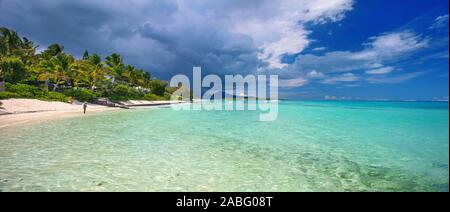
[56,75]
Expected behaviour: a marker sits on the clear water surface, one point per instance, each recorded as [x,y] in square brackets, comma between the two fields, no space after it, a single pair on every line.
[312,146]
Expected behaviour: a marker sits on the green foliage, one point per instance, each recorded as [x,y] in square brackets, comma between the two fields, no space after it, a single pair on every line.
[153,97]
[95,60]
[85,55]
[8,95]
[114,61]
[17,55]
[12,69]
[52,51]
[83,79]
[24,90]
[10,41]
[158,87]
[167,96]
[31,92]
[54,96]
[120,93]
[123,92]
[82,95]
[57,69]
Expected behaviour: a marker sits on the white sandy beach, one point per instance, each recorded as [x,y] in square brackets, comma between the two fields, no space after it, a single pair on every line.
[17,106]
[19,111]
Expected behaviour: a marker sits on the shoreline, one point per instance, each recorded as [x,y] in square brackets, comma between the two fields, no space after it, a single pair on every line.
[9,120]
[22,111]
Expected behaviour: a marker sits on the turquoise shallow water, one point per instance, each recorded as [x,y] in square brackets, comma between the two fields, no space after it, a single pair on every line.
[312,146]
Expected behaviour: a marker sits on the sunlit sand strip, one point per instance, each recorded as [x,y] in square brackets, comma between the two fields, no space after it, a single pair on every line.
[22,111]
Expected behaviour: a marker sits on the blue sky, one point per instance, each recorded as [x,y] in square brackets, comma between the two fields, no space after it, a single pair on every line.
[322,49]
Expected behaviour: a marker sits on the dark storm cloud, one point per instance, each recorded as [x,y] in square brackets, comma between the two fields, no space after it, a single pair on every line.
[146,33]
[168,37]
[55,21]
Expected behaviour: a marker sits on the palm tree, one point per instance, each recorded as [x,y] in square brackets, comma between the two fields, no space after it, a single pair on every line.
[128,74]
[114,63]
[52,51]
[15,55]
[78,76]
[141,78]
[158,87]
[28,51]
[19,63]
[58,69]
[9,42]
[97,70]
[12,69]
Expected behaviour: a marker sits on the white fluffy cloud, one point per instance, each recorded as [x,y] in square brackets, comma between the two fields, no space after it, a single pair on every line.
[440,22]
[383,70]
[317,49]
[346,77]
[293,83]
[380,49]
[386,48]
[278,27]
[315,75]
[391,45]
[394,79]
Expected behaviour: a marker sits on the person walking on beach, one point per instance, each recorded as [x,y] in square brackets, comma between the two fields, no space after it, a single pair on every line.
[85,107]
